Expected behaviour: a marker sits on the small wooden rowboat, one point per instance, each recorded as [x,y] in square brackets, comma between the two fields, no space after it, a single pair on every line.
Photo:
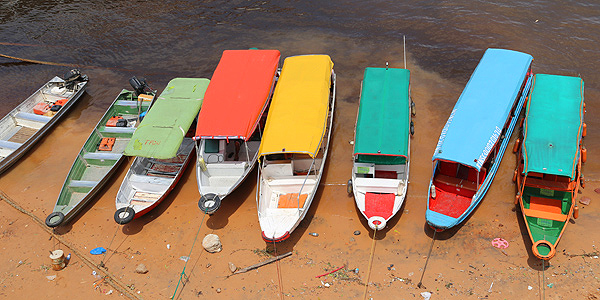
[295,142]
[382,145]
[27,123]
[162,148]
[231,121]
[100,155]
[476,135]
[549,160]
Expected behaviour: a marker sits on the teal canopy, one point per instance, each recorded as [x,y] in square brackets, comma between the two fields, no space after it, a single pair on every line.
[553,125]
[382,127]
[161,132]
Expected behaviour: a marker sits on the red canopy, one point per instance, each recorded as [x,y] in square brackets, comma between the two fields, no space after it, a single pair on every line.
[237,94]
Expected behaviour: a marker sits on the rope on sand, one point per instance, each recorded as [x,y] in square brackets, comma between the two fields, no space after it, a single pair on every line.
[108,277]
[182,274]
[370,264]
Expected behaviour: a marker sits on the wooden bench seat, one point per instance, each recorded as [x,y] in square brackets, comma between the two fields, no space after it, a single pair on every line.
[545,215]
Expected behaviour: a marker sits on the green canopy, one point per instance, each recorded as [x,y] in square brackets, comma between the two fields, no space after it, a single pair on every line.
[161,132]
[553,125]
[382,127]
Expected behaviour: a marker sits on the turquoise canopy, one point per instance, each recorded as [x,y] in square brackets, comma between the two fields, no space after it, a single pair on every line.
[553,125]
[161,132]
[382,127]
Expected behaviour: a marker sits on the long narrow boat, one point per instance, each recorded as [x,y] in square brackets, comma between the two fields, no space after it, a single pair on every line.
[549,160]
[100,155]
[162,148]
[382,144]
[27,123]
[231,121]
[476,135]
[295,142]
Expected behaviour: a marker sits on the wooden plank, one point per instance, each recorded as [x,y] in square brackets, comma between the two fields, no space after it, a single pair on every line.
[22,135]
[146,196]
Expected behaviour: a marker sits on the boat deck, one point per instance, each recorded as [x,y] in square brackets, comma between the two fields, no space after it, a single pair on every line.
[449,204]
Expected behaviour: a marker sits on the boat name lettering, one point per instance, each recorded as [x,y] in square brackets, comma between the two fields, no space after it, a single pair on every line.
[152,142]
[488,147]
[444,131]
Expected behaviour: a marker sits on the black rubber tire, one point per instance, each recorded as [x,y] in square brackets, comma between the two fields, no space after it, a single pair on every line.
[349,187]
[52,224]
[128,212]
[209,203]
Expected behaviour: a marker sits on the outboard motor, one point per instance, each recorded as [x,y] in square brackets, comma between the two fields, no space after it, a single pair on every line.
[72,77]
[139,85]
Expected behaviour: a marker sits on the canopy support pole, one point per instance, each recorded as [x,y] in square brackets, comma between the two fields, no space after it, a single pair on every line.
[304,182]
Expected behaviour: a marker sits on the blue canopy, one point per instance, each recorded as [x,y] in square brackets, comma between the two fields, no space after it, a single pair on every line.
[476,122]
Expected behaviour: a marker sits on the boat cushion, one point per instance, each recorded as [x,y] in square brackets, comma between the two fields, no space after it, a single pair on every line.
[380,205]
[291,200]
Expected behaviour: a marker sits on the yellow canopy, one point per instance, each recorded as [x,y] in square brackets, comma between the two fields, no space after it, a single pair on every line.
[297,117]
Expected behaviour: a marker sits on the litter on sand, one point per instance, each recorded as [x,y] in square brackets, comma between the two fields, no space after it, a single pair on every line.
[97,251]
[500,243]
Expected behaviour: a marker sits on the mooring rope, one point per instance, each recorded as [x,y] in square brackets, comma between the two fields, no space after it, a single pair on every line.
[420,284]
[278,272]
[182,274]
[41,62]
[104,260]
[370,264]
[108,278]
[543,279]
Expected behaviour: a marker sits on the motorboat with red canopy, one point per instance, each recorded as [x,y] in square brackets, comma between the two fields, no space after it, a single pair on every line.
[231,121]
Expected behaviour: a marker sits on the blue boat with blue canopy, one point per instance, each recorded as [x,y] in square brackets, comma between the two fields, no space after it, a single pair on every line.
[473,141]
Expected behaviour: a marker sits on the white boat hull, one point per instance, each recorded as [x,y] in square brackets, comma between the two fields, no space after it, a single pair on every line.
[277,180]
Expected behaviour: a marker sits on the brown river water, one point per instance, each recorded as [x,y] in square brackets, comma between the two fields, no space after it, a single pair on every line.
[159,40]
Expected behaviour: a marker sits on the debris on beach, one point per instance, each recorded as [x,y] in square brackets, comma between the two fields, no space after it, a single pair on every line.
[313,234]
[212,243]
[97,251]
[585,200]
[357,232]
[141,269]
[184,258]
[258,265]
[232,267]
[51,277]
[500,243]
[426,295]
[333,271]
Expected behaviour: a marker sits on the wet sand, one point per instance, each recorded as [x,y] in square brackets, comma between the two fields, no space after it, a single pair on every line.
[463,263]
[445,42]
